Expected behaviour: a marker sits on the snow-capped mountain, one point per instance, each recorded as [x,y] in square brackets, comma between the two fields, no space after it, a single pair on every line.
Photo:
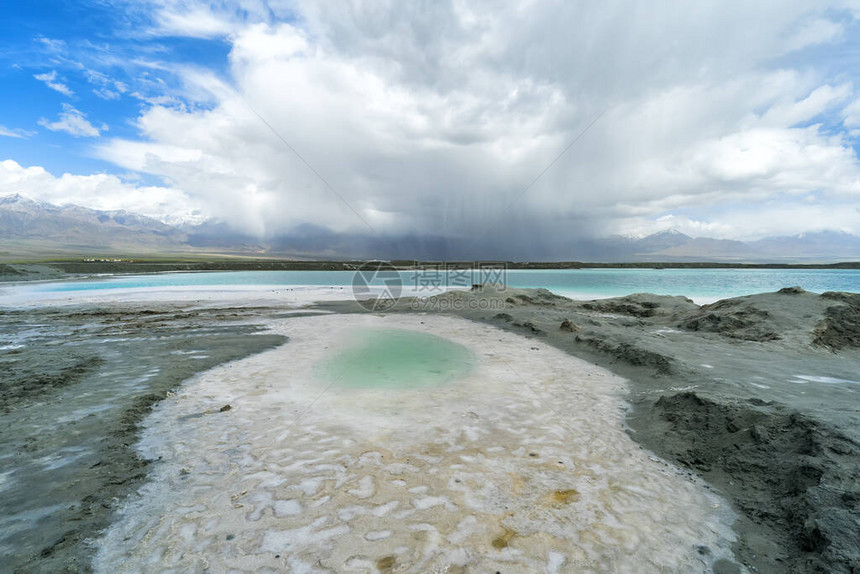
[29,228]
[71,227]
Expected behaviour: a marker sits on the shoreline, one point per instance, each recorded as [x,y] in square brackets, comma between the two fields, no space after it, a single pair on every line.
[60,270]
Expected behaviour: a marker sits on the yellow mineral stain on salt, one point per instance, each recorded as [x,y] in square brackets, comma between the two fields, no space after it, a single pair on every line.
[582,471]
[386,564]
[517,483]
[434,449]
[564,496]
[500,542]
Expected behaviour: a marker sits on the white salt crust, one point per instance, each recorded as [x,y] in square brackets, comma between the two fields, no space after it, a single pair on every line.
[523,465]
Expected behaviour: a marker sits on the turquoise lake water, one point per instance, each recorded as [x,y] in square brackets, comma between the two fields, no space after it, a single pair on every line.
[397,359]
[700,284]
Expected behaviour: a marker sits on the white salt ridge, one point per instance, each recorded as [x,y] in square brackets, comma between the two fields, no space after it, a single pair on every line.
[287,508]
[35,295]
[378,535]
[79,414]
[63,457]
[521,465]
[6,479]
[820,379]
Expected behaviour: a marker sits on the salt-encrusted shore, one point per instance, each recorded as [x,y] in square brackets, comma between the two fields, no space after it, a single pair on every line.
[521,465]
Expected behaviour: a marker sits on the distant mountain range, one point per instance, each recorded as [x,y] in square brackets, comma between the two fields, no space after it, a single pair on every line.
[672,245]
[31,229]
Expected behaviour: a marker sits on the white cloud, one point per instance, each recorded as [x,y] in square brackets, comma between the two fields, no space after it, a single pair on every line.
[199,23]
[433,118]
[204,19]
[105,87]
[50,80]
[851,116]
[767,219]
[14,133]
[106,93]
[99,191]
[74,122]
[819,101]
[819,31]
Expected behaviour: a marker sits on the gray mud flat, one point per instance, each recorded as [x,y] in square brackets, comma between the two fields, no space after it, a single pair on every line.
[758,395]
[74,385]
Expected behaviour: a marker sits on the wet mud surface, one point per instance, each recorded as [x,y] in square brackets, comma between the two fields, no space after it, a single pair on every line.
[74,385]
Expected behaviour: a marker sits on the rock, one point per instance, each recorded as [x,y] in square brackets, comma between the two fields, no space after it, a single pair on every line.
[532,327]
[537,297]
[636,356]
[569,326]
[788,472]
[760,434]
[839,329]
[844,296]
[642,305]
[623,307]
[747,323]
[224,409]
[792,291]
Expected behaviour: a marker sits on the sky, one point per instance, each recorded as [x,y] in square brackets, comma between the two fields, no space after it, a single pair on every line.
[468,123]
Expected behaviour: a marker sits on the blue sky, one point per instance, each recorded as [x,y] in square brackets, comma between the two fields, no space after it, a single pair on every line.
[725,118]
[90,46]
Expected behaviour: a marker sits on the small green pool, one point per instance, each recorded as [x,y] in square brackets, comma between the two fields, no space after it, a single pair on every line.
[397,359]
